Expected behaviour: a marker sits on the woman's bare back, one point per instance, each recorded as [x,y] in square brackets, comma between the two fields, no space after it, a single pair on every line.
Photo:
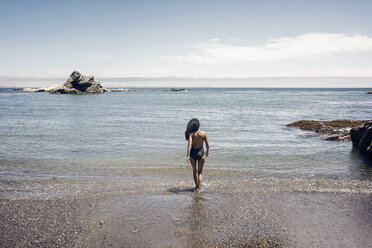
[198,138]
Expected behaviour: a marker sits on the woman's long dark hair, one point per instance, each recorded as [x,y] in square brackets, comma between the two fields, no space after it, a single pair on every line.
[192,126]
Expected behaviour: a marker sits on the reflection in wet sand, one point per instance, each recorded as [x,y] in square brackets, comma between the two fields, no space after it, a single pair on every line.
[215,220]
[196,221]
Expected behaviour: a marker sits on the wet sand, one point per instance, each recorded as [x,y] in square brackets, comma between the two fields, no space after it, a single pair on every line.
[242,213]
[43,223]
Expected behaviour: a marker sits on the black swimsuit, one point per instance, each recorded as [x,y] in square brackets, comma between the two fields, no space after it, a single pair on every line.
[197,153]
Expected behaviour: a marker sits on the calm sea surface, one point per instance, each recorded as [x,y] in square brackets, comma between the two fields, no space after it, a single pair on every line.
[74,136]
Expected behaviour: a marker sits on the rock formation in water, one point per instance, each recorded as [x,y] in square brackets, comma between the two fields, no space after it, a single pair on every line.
[79,84]
[178,90]
[36,90]
[28,90]
[369,92]
[362,138]
[329,130]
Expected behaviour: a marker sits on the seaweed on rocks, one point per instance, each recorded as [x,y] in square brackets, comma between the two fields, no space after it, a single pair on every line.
[329,130]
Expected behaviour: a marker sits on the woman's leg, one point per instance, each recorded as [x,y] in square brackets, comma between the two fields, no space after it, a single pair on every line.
[200,172]
[194,172]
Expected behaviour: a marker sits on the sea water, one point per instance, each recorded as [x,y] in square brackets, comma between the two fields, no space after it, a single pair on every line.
[42,134]
[137,138]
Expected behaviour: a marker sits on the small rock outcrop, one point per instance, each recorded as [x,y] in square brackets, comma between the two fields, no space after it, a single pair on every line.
[120,90]
[35,90]
[362,138]
[329,130]
[369,92]
[178,90]
[79,84]
[28,90]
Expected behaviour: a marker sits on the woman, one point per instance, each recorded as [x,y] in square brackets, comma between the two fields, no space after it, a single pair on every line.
[195,150]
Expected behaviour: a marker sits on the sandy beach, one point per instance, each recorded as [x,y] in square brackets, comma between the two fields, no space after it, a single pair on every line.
[261,212]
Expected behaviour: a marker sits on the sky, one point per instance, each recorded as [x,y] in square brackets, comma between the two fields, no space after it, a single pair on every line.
[193,39]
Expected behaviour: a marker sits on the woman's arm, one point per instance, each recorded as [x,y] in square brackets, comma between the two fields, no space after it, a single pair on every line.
[189,148]
[207,145]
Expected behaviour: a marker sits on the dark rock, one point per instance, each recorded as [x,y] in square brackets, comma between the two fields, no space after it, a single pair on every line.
[178,90]
[79,84]
[369,92]
[362,138]
[329,130]
[338,137]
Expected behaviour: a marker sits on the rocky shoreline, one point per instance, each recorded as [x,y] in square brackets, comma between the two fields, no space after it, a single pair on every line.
[359,132]
[329,130]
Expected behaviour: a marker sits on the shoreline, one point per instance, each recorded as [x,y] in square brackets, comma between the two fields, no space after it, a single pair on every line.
[260,212]
[187,219]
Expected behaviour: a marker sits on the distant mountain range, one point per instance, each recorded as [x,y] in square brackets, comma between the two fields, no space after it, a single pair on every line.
[290,82]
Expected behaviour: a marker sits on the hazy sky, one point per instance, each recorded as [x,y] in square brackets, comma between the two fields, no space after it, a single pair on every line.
[186,38]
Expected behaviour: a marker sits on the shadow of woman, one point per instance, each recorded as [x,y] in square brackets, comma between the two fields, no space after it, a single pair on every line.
[180,190]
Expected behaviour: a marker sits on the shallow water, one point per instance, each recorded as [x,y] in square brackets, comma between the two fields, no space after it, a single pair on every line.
[136,136]
[45,135]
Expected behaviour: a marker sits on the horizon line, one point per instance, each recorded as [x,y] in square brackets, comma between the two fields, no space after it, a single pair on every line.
[190,82]
[178,77]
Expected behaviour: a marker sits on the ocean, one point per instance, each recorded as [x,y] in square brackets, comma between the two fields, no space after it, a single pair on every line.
[132,143]
[41,134]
